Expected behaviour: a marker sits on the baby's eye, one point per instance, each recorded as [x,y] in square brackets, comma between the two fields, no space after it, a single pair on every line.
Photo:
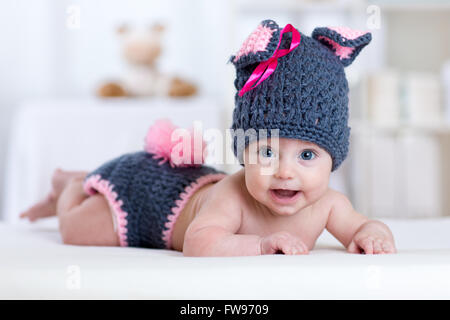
[308,155]
[266,152]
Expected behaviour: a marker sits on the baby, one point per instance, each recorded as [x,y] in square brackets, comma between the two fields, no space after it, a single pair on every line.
[292,105]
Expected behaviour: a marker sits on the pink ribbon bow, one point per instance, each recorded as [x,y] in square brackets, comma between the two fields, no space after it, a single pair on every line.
[266,68]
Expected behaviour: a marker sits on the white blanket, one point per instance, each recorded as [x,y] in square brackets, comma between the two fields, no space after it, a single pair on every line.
[35,264]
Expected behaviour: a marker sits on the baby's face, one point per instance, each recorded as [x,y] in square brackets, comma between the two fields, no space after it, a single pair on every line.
[288,177]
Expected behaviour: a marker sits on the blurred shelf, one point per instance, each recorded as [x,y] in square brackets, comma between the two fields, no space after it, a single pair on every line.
[296,5]
[138,102]
[361,126]
[393,6]
[342,5]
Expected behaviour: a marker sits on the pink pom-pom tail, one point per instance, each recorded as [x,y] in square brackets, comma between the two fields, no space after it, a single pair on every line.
[174,144]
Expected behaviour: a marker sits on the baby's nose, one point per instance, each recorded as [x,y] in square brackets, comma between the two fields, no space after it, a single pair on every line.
[284,171]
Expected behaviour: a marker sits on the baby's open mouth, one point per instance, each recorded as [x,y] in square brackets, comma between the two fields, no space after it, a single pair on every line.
[285,196]
[281,193]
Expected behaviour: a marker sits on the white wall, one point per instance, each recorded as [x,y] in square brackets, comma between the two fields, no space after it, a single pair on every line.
[42,55]
[46,56]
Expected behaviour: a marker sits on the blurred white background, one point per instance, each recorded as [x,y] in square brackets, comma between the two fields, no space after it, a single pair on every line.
[61,51]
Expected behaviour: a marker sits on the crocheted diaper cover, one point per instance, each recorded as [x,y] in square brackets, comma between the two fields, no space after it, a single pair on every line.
[146,197]
[147,190]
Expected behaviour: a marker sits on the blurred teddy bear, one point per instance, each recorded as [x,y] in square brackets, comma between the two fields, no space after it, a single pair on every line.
[141,49]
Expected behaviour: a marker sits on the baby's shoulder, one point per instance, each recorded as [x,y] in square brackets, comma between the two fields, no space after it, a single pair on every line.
[328,200]
[227,192]
[230,187]
[221,206]
[333,195]
[332,199]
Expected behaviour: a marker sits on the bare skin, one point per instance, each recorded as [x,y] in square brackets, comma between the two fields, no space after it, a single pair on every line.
[87,220]
[237,216]
[47,206]
[240,217]
[83,219]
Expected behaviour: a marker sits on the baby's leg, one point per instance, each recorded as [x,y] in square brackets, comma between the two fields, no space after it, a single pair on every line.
[47,206]
[84,219]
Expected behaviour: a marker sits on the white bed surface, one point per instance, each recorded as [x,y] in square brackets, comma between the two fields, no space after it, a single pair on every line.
[36,265]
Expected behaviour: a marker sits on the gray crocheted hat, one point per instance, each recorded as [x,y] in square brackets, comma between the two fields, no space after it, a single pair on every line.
[305,96]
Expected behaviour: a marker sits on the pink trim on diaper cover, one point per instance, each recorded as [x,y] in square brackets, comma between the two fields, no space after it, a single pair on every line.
[95,184]
[180,204]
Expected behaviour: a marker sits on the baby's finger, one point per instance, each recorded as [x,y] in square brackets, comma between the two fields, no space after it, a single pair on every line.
[367,246]
[377,249]
[292,248]
[393,250]
[289,250]
[298,250]
[280,245]
[305,248]
[353,248]
[387,247]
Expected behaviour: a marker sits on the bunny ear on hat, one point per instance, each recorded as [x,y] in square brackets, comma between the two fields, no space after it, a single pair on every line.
[346,43]
[259,45]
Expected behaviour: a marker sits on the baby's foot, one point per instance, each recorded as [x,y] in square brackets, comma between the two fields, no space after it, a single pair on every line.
[42,209]
[47,206]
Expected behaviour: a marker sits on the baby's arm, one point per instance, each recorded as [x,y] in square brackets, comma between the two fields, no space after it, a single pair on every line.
[355,231]
[213,233]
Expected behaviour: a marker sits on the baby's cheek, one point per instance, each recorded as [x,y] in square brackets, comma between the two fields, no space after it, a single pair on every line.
[254,184]
[261,187]
[315,189]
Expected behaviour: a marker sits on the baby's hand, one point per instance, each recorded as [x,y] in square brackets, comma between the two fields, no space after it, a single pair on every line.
[283,242]
[373,237]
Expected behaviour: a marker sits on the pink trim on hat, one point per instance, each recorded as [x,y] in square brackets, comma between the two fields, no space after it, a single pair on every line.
[95,184]
[256,41]
[180,204]
[341,51]
[348,33]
